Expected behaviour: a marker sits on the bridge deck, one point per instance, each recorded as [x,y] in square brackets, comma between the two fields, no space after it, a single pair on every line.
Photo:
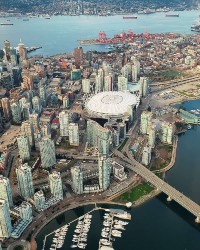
[180,198]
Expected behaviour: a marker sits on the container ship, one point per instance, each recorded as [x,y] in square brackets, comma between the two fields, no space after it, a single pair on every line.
[172,15]
[6,23]
[129,17]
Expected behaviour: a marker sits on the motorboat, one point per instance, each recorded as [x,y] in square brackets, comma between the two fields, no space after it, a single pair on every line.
[119,226]
[73,246]
[124,223]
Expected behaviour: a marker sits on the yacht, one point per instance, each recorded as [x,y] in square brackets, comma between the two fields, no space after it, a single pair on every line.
[116,233]
[119,226]
[124,223]
[73,246]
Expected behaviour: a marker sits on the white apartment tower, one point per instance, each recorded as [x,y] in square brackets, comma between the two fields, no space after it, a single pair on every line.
[104,172]
[47,152]
[166,132]
[39,200]
[122,83]
[73,134]
[27,130]
[37,107]
[16,112]
[5,191]
[77,179]
[146,121]
[25,182]
[25,211]
[64,123]
[146,156]
[108,82]
[98,84]
[5,221]
[34,119]
[24,147]
[86,86]
[144,86]
[56,185]
[152,136]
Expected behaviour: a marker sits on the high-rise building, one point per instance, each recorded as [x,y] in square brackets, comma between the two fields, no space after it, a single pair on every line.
[47,152]
[166,132]
[146,156]
[73,134]
[22,51]
[86,86]
[22,102]
[16,72]
[6,108]
[98,136]
[27,110]
[56,187]
[78,55]
[43,95]
[77,179]
[108,82]
[16,112]
[25,211]
[5,220]
[46,130]
[25,182]
[24,147]
[98,83]
[134,73]
[126,70]
[64,123]
[5,191]
[66,102]
[152,136]
[144,85]
[39,200]
[27,82]
[104,172]
[146,120]
[36,105]
[122,83]
[34,119]
[7,50]
[27,130]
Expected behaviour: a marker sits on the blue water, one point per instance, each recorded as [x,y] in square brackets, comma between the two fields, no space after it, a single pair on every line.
[60,33]
[157,224]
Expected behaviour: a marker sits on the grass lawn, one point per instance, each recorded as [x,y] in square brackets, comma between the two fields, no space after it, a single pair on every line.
[170,74]
[134,193]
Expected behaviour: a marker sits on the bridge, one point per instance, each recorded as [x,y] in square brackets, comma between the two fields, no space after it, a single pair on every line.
[161,185]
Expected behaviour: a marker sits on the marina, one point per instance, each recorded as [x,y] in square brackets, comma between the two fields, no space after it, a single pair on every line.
[112,227]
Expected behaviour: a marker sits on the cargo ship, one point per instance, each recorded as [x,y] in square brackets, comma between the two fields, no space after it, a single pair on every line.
[6,23]
[129,17]
[172,15]
[195,28]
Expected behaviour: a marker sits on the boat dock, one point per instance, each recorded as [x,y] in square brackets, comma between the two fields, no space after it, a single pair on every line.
[111,228]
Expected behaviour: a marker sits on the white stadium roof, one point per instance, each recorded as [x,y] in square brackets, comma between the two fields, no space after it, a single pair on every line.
[111,103]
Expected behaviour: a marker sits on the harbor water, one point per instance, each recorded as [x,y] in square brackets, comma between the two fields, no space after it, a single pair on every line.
[157,224]
[60,34]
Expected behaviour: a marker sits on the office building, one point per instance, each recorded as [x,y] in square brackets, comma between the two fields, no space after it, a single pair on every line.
[144,86]
[47,152]
[152,136]
[26,111]
[27,80]
[77,179]
[16,71]
[122,83]
[22,51]
[98,136]
[98,84]
[146,121]
[39,200]
[16,112]
[78,55]
[86,86]
[27,130]
[24,147]
[6,108]
[37,108]
[64,123]
[43,95]
[5,191]
[5,220]
[73,134]
[56,185]
[25,182]
[146,156]
[167,132]
[108,82]
[104,172]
